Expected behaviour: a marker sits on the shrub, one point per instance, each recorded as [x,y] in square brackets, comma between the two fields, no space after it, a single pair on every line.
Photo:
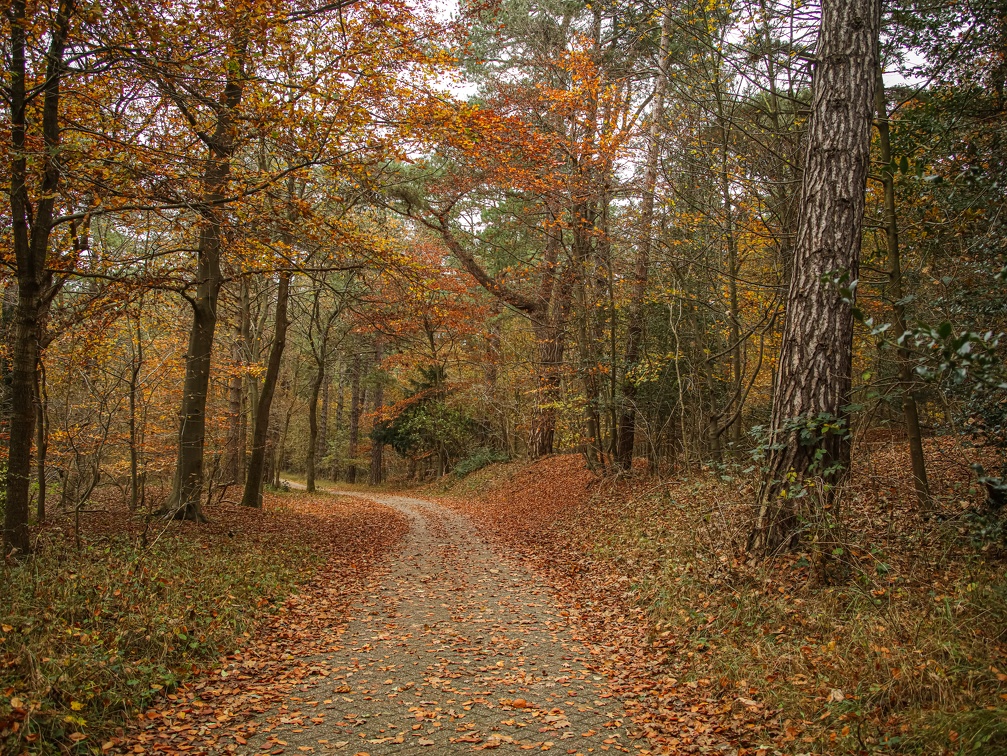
[478,459]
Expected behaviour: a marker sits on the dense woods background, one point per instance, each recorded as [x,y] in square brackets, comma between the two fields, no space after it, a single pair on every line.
[370,241]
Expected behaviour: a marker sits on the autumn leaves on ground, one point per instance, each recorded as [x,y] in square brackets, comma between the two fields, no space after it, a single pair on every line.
[226,637]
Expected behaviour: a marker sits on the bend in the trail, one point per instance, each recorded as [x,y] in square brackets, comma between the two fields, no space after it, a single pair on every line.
[454,649]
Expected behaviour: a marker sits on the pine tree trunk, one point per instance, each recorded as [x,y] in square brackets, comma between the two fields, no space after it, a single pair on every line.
[252,496]
[814,368]
[907,381]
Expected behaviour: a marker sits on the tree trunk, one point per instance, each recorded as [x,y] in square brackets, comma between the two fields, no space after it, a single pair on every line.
[252,496]
[813,377]
[24,356]
[377,448]
[234,411]
[42,438]
[318,442]
[184,501]
[316,388]
[548,312]
[31,225]
[356,402]
[281,439]
[134,387]
[589,376]
[626,434]
[322,447]
[735,406]
[551,344]
[895,294]
[235,465]
[336,472]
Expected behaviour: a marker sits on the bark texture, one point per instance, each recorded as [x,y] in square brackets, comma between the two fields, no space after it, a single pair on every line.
[31,226]
[252,496]
[813,375]
[184,501]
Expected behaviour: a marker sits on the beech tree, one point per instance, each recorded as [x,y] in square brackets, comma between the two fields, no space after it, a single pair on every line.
[252,496]
[37,41]
[221,143]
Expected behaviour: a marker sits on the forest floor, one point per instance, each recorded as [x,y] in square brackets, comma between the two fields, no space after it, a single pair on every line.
[899,647]
[527,606]
[198,629]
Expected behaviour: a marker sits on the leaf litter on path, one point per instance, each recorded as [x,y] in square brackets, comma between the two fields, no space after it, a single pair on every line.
[221,710]
[527,510]
[450,649]
[454,650]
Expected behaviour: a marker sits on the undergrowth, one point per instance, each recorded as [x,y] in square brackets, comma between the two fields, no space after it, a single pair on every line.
[477,460]
[904,654]
[476,481]
[89,636]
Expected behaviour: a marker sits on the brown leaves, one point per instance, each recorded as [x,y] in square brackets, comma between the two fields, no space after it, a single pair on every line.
[544,511]
[219,707]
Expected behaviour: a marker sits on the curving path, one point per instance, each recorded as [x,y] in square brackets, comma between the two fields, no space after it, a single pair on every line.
[454,650]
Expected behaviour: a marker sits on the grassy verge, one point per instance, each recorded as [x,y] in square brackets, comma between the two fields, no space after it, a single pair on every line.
[904,654]
[325,484]
[89,636]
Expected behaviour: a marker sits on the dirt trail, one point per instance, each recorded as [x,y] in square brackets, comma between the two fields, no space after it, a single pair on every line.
[453,650]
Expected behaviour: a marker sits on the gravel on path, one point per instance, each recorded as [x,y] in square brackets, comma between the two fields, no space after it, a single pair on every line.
[454,650]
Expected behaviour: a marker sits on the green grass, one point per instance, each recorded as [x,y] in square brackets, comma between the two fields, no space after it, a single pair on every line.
[89,637]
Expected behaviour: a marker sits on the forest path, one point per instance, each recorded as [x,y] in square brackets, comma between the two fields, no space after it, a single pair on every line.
[453,649]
